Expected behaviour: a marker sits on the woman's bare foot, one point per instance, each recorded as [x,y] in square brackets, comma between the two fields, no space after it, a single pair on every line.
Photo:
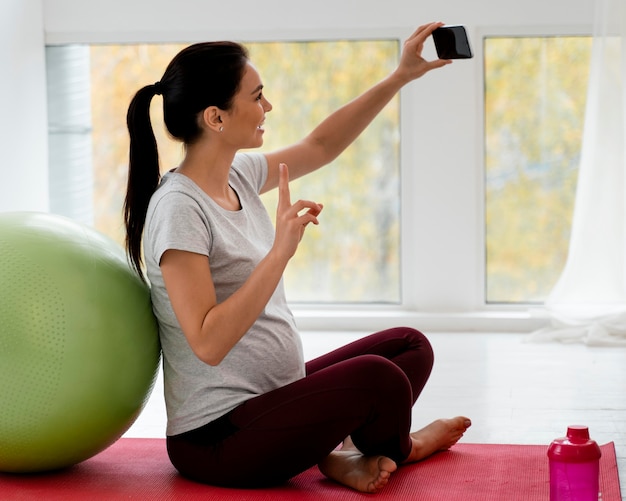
[363,473]
[350,467]
[439,435]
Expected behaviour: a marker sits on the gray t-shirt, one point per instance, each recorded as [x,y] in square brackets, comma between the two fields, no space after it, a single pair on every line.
[181,216]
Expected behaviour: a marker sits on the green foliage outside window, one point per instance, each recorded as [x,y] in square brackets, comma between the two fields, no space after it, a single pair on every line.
[535,93]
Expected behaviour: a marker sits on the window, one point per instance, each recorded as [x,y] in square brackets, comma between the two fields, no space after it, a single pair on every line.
[354,255]
[535,94]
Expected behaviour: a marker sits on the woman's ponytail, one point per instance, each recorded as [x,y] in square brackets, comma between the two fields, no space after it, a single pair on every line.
[201,75]
[143,172]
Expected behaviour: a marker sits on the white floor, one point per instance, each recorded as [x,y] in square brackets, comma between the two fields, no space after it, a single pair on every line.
[514,392]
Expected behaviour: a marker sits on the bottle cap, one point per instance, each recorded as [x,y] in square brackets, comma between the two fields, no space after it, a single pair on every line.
[578,434]
[576,447]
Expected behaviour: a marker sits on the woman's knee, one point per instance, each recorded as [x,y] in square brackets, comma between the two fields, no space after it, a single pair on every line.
[414,337]
[378,371]
[413,353]
[422,344]
[411,342]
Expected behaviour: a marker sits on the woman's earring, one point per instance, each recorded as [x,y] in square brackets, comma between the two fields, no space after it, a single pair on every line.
[222,129]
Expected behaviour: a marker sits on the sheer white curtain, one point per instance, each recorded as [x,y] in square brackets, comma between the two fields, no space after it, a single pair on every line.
[588,303]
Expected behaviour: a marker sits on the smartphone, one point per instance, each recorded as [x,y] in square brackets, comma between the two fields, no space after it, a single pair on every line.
[451,42]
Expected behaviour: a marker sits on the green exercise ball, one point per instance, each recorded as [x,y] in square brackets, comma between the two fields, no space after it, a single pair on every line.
[79,347]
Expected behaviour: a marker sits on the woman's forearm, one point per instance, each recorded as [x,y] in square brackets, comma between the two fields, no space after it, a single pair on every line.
[343,126]
[227,322]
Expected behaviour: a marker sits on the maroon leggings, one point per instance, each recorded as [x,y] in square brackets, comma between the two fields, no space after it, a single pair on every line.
[364,390]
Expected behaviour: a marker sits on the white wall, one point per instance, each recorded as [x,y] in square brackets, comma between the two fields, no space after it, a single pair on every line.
[444,188]
[23,122]
[235,18]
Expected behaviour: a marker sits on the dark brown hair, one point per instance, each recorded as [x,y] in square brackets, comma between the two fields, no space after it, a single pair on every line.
[201,75]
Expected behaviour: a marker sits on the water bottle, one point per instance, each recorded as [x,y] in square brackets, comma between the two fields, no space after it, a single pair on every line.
[574,466]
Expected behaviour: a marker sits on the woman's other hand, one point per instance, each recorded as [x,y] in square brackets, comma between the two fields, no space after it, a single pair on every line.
[291,221]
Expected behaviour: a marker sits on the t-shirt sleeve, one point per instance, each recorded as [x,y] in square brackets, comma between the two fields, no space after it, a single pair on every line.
[253,167]
[177,224]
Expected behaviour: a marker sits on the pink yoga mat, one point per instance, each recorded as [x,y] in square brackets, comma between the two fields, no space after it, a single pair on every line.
[138,469]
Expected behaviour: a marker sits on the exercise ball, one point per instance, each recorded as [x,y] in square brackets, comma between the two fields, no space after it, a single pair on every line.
[79,348]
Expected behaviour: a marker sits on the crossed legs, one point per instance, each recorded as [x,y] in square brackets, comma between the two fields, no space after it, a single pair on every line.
[360,395]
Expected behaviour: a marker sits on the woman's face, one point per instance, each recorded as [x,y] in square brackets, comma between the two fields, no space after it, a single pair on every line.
[243,125]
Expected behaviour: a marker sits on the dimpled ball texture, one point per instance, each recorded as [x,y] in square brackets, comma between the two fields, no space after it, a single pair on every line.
[79,348]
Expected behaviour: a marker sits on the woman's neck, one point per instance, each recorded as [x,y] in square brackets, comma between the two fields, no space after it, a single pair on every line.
[209,168]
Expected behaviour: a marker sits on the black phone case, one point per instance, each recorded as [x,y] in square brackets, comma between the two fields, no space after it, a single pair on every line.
[451,42]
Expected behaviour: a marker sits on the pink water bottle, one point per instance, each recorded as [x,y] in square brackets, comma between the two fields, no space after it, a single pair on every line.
[574,466]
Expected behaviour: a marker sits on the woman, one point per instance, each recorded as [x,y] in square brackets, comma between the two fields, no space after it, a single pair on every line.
[244,410]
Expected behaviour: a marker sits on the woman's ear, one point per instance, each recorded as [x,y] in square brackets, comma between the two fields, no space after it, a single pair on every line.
[212,119]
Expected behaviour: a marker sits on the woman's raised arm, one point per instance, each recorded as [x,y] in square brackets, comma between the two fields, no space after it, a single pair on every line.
[334,134]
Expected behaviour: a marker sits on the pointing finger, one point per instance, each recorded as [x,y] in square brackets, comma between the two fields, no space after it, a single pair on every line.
[284,198]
